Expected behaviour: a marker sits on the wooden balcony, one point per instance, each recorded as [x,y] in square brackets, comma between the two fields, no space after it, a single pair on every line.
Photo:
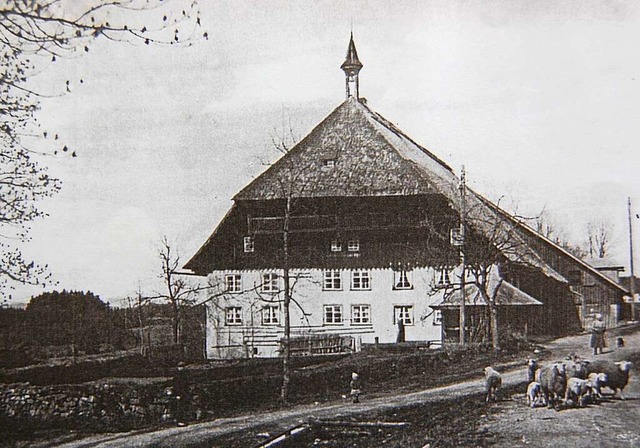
[327,223]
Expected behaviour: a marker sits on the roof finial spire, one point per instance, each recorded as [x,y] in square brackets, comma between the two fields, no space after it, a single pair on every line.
[351,67]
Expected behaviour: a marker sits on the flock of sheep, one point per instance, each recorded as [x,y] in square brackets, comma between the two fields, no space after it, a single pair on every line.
[574,381]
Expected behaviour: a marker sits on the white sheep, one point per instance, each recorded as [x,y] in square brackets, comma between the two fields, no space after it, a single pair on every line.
[597,380]
[493,383]
[534,394]
[553,382]
[532,366]
[578,390]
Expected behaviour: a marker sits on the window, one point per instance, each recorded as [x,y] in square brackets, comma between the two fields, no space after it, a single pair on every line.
[336,246]
[233,315]
[360,314]
[329,163]
[575,278]
[271,315]
[233,283]
[270,282]
[401,280]
[437,317]
[360,280]
[332,314]
[332,280]
[248,244]
[403,313]
[443,277]
[353,246]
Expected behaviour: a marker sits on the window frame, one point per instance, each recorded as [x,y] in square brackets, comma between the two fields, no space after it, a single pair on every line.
[353,245]
[236,283]
[236,317]
[362,316]
[329,275]
[248,244]
[444,278]
[333,307]
[328,163]
[270,315]
[361,276]
[398,277]
[270,284]
[437,318]
[407,316]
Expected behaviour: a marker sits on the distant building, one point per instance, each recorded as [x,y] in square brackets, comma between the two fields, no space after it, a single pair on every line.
[607,266]
[369,217]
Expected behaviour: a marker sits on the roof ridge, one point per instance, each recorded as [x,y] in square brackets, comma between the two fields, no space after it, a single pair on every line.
[393,128]
[548,241]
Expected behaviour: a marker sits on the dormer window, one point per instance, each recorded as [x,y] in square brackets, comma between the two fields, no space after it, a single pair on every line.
[353,246]
[329,163]
[248,244]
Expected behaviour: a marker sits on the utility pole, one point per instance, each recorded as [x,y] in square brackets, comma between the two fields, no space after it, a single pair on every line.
[632,280]
[463,218]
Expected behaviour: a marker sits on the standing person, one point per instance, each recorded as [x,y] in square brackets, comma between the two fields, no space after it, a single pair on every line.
[181,395]
[400,337]
[355,385]
[598,328]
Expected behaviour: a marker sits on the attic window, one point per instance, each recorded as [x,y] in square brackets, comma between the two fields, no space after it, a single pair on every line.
[443,278]
[329,163]
[353,246]
[336,246]
[248,244]
[401,280]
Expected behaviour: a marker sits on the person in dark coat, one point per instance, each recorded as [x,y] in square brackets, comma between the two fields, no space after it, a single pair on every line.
[181,395]
[597,340]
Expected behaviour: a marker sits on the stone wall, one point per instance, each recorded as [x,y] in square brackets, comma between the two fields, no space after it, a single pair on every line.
[89,406]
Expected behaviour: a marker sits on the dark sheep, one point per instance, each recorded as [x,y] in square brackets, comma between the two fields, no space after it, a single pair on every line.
[576,369]
[617,374]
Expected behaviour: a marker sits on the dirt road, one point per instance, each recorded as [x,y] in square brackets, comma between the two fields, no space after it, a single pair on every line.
[613,423]
[510,422]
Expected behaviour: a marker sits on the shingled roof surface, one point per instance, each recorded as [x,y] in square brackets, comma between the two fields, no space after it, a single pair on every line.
[356,152]
[507,295]
[353,152]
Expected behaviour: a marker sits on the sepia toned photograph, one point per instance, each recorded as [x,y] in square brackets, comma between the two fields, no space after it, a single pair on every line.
[340,223]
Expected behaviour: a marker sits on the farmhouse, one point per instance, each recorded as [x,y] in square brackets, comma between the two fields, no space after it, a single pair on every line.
[356,220]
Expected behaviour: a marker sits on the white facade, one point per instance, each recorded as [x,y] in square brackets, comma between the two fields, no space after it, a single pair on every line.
[246,319]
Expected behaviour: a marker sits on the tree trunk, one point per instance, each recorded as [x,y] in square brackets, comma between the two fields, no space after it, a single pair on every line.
[176,321]
[495,334]
[286,354]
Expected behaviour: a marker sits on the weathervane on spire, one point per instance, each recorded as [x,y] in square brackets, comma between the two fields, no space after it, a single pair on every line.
[351,67]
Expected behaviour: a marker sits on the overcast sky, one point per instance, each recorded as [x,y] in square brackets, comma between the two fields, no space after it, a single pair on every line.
[539,100]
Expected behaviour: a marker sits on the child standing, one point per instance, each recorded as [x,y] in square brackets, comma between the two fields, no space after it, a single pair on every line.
[355,385]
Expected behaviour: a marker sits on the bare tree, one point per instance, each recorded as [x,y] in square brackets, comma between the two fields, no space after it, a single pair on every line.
[178,292]
[494,243]
[137,305]
[292,185]
[34,34]
[599,238]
